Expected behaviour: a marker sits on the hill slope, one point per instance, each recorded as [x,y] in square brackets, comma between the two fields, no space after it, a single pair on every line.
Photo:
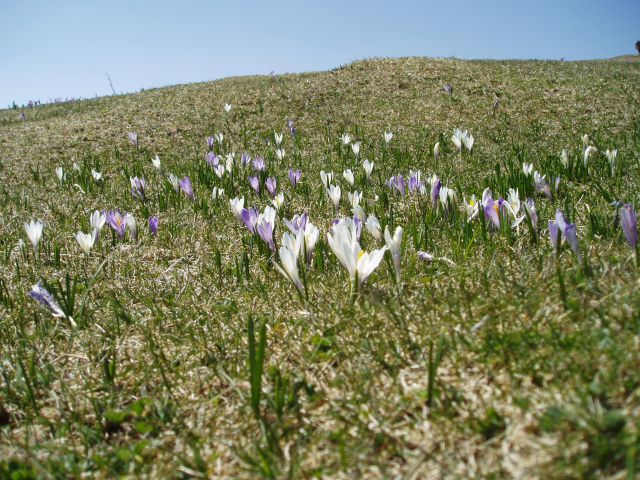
[498,358]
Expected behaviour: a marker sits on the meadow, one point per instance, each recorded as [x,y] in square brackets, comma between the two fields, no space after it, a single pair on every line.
[400,268]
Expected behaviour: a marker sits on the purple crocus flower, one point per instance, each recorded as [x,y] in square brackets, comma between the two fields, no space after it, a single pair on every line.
[629,222]
[414,183]
[571,234]
[210,142]
[561,227]
[298,223]
[291,127]
[187,188]
[258,164]
[271,184]
[249,217]
[265,230]
[397,183]
[294,177]
[358,224]
[245,158]
[212,159]
[138,188]
[153,225]
[44,298]
[118,222]
[255,183]
[436,185]
[554,234]
[491,209]
[542,187]
[133,139]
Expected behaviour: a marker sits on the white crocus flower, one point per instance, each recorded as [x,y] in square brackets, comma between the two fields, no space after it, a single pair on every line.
[311,236]
[130,220]
[471,207]
[349,177]
[278,201]
[611,156]
[456,138]
[585,140]
[368,168]
[564,158]
[326,178]
[587,152]
[513,202]
[346,139]
[227,107]
[387,137]
[156,162]
[373,226]
[436,151]
[174,181]
[219,137]
[278,138]
[289,252]
[217,193]
[86,241]
[354,198]
[527,168]
[394,244]
[60,174]
[97,176]
[355,148]
[468,141]
[280,153]
[237,204]
[219,170]
[97,220]
[334,194]
[359,264]
[33,230]
[446,196]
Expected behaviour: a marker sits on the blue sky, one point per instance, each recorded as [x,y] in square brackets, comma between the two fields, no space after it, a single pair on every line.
[65,48]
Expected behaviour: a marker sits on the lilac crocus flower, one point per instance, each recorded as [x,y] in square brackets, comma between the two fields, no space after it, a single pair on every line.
[212,159]
[271,184]
[265,230]
[491,209]
[436,185]
[258,164]
[133,139]
[138,188]
[571,234]
[629,222]
[294,177]
[245,158]
[397,183]
[554,234]
[298,223]
[44,298]
[210,142]
[187,188]
[117,221]
[255,183]
[562,228]
[414,183]
[153,225]
[249,217]
[357,222]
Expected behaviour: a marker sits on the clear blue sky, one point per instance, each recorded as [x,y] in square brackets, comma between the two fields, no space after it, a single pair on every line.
[65,48]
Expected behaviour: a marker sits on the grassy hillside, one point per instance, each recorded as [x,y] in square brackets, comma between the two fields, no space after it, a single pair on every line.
[498,358]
